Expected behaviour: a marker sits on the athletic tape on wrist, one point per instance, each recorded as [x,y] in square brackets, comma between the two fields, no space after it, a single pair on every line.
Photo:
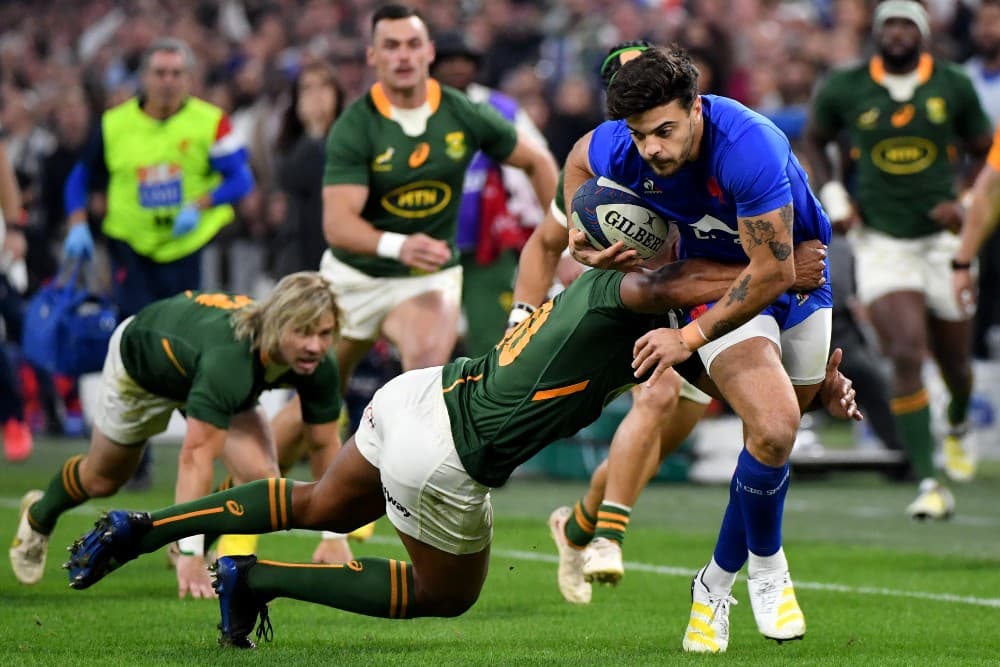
[390,245]
[193,545]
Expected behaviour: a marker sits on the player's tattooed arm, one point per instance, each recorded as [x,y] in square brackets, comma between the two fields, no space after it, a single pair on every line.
[738,294]
[761,231]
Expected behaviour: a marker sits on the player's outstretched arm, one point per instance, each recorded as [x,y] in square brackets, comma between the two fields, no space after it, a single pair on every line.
[537,162]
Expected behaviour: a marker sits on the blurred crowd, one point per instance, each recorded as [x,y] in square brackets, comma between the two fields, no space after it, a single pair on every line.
[63,62]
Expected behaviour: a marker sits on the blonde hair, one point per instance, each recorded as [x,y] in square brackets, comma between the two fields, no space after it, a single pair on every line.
[297,303]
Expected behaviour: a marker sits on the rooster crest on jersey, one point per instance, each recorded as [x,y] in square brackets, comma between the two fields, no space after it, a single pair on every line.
[608,212]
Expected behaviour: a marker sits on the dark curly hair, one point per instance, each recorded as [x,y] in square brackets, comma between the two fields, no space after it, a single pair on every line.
[655,78]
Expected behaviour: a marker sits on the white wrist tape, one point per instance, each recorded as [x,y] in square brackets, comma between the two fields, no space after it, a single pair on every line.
[390,245]
[836,202]
[192,546]
[330,535]
[519,312]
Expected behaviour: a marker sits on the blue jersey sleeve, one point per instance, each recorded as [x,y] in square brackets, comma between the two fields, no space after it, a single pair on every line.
[755,171]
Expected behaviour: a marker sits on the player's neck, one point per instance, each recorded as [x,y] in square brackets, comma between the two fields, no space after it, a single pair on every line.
[406,98]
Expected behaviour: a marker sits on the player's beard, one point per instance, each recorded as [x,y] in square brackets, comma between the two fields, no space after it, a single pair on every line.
[901,62]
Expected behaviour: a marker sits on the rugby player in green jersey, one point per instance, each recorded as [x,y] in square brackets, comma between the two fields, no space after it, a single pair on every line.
[906,114]
[431,444]
[210,355]
[395,165]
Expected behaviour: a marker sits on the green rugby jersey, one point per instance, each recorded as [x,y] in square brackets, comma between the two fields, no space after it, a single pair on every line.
[905,151]
[547,379]
[414,182]
[183,348]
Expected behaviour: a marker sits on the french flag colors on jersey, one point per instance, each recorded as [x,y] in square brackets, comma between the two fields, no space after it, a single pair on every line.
[228,150]
[745,167]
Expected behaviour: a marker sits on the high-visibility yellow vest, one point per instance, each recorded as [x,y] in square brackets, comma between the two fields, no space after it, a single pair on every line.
[155,167]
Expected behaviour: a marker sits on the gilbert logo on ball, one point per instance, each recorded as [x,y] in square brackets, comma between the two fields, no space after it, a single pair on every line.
[608,212]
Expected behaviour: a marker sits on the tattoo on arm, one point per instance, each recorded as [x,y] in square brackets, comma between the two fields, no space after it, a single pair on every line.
[739,292]
[787,214]
[761,231]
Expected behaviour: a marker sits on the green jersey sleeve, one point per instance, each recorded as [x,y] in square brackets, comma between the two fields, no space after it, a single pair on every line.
[348,150]
[970,120]
[494,135]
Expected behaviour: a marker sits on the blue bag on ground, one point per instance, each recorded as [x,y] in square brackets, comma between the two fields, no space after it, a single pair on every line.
[67,327]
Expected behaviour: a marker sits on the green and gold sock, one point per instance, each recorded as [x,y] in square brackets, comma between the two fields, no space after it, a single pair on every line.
[370,586]
[580,526]
[63,493]
[913,417]
[612,521]
[262,506]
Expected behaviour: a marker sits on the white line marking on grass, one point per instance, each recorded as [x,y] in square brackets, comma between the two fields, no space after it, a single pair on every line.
[664,570]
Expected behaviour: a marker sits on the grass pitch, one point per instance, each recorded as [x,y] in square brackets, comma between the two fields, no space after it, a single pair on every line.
[875,588]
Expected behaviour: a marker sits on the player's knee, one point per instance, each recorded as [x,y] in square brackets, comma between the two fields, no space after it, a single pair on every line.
[446,605]
[660,397]
[774,437]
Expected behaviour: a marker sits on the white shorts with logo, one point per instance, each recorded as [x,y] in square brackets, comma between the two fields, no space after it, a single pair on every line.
[366,300]
[405,433]
[885,264]
[804,347]
[125,412]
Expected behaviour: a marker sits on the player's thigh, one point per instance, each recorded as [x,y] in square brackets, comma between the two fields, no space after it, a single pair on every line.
[347,496]
[125,413]
[900,319]
[677,425]
[406,433]
[805,349]
[751,378]
[424,326]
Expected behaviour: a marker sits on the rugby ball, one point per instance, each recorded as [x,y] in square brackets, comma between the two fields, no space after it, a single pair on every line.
[608,212]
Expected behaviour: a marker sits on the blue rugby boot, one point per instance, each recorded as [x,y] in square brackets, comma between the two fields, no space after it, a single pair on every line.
[110,544]
[238,603]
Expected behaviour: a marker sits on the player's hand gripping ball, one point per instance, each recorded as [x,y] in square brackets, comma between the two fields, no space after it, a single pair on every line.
[608,212]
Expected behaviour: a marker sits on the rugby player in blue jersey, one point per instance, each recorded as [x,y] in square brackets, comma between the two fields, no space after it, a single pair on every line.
[727,178]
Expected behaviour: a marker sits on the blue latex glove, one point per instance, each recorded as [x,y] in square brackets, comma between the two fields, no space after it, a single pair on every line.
[79,244]
[186,220]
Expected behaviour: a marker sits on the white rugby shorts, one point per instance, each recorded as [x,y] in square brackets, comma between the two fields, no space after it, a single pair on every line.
[366,300]
[405,433]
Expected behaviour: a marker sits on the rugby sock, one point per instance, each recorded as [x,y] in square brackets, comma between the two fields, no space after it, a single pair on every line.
[580,526]
[262,506]
[731,546]
[913,417]
[370,586]
[63,493]
[718,579]
[762,490]
[212,538]
[612,521]
[775,561]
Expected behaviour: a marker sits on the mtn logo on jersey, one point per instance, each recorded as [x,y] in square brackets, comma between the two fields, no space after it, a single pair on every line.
[713,228]
[418,199]
[901,156]
[383,161]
